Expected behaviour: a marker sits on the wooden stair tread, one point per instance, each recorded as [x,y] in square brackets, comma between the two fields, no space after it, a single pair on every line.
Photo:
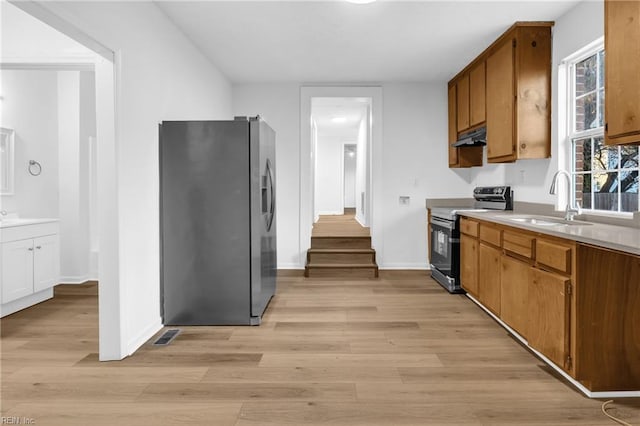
[344,236]
[341,250]
[341,265]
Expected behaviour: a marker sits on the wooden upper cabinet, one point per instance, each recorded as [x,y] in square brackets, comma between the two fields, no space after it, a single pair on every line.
[453,132]
[470,97]
[477,94]
[622,68]
[462,98]
[500,102]
[459,157]
[518,94]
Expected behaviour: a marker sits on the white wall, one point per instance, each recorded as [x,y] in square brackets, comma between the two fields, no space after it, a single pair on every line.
[30,107]
[362,165]
[279,105]
[160,75]
[20,30]
[350,164]
[76,114]
[329,184]
[414,124]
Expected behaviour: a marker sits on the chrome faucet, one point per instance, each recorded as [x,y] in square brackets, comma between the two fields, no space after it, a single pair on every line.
[570,211]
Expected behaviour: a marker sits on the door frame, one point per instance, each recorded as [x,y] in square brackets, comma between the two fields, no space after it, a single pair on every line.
[373,206]
[112,333]
[344,171]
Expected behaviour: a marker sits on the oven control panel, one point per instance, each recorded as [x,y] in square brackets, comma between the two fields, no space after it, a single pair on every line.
[498,194]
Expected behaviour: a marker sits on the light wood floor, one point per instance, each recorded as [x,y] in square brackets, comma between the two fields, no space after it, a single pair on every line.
[339,226]
[394,351]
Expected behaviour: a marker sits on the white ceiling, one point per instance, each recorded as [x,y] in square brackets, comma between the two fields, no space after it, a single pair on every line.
[335,41]
[352,110]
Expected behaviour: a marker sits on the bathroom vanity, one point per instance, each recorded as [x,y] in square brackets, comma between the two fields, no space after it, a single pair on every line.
[29,261]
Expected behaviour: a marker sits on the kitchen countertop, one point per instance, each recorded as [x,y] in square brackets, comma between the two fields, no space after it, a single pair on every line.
[22,221]
[614,237]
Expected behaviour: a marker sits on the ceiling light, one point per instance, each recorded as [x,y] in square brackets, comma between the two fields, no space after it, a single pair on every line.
[339,119]
[352,154]
[361,1]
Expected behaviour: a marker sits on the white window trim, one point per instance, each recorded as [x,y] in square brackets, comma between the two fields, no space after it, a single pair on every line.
[566,90]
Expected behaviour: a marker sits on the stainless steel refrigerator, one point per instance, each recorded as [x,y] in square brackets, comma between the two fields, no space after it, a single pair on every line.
[217,221]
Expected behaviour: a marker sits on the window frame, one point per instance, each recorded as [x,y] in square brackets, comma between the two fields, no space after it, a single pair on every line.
[572,135]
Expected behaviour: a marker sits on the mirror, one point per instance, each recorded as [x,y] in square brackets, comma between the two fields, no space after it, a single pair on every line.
[6,161]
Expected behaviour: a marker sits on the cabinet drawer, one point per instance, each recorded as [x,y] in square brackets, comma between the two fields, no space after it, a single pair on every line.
[517,243]
[490,234]
[469,227]
[553,255]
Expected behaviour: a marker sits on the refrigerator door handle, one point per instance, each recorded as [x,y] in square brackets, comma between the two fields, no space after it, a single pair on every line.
[271,196]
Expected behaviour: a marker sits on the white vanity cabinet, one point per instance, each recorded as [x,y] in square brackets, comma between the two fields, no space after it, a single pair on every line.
[30,256]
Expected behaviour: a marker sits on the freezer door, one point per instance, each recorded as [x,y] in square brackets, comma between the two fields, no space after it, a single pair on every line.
[263,214]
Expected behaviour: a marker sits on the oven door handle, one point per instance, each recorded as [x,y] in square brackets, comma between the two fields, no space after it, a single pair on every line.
[444,223]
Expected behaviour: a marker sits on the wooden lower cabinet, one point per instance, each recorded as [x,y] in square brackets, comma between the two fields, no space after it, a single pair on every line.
[577,304]
[469,264]
[607,319]
[489,277]
[549,308]
[514,284]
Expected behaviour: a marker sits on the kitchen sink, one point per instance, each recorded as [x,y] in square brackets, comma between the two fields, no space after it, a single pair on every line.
[548,221]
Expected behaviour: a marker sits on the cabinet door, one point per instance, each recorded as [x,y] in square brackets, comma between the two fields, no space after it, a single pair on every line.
[549,309]
[607,300]
[462,98]
[453,129]
[17,270]
[477,99]
[489,278]
[514,289]
[500,104]
[469,264]
[622,67]
[46,262]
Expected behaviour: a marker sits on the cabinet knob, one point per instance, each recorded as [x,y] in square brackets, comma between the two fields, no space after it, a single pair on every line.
[38,247]
[30,249]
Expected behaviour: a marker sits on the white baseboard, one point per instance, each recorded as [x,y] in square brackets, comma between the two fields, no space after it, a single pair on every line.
[146,334]
[25,302]
[415,266]
[76,279]
[331,213]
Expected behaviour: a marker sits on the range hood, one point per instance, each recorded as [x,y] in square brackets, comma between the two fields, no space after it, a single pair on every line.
[477,137]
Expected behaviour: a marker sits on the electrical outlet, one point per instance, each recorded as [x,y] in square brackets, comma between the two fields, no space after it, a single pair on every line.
[405,200]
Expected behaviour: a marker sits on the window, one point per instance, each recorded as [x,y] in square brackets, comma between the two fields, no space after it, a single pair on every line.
[605,177]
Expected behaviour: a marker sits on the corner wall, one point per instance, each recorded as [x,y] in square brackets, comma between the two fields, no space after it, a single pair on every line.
[414,124]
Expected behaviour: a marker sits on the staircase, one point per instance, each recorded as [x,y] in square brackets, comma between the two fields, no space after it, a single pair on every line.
[340,248]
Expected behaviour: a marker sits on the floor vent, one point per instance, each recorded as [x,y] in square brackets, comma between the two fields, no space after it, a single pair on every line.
[167,337]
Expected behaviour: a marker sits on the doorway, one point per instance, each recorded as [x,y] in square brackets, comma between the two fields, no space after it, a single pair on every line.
[341,135]
[323,111]
[350,170]
[99,151]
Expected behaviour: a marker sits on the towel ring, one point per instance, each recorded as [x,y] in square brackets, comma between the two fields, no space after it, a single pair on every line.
[34,168]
